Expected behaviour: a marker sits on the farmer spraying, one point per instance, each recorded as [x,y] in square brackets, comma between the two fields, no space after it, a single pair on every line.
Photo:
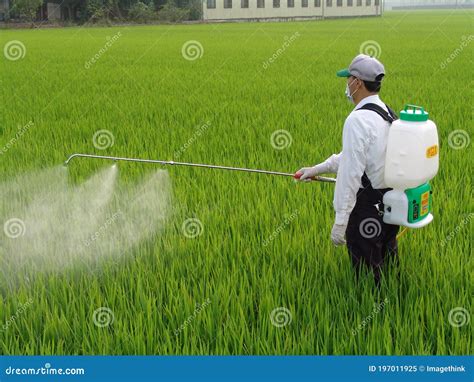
[383,170]
[360,185]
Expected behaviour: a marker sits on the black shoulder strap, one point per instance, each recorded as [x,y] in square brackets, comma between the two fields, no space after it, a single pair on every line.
[389,117]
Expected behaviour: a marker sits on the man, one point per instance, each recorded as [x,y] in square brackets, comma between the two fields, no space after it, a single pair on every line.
[360,166]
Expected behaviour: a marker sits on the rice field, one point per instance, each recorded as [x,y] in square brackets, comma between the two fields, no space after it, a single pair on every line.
[244,264]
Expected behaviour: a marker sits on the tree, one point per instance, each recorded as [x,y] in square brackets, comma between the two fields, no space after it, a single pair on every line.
[170,12]
[195,10]
[28,8]
[96,10]
[142,12]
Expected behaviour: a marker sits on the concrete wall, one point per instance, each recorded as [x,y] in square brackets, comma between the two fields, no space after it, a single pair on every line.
[237,12]
[4,8]
[54,11]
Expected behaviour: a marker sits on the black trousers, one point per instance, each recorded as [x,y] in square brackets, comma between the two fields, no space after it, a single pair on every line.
[370,242]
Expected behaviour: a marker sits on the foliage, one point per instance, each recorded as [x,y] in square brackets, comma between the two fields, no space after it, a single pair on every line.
[27,8]
[251,256]
[170,12]
[142,12]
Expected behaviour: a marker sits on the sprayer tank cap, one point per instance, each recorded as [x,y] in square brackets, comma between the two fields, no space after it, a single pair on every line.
[415,114]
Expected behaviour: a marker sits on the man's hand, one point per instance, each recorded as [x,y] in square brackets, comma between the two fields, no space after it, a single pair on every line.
[337,234]
[310,172]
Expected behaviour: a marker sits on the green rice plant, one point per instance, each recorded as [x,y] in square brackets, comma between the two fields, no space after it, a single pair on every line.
[256,273]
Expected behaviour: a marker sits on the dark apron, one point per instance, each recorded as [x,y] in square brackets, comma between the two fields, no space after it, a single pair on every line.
[370,242]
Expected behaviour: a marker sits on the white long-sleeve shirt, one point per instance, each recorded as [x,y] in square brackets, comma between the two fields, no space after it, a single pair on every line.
[364,143]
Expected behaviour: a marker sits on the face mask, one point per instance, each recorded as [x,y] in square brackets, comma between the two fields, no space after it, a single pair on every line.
[348,92]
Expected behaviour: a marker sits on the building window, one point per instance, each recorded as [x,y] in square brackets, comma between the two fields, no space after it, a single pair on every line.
[339,3]
[367,2]
[227,3]
[377,2]
[304,3]
[260,3]
[276,3]
[317,3]
[291,3]
[359,3]
[329,3]
[211,4]
[244,4]
[349,3]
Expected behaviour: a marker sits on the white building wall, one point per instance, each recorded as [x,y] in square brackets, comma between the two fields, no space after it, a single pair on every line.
[252,12]
[397,3]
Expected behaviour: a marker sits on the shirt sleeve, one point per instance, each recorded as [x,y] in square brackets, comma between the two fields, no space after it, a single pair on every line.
[352,163]
[330,165]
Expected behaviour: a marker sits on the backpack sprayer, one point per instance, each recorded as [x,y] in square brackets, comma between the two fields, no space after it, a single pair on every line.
[411,161]
[173,163]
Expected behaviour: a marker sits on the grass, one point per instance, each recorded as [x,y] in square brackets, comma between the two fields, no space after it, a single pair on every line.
[153,101]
